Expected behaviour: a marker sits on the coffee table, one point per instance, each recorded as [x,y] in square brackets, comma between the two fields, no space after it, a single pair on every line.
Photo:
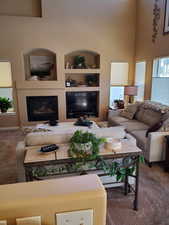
[35,160]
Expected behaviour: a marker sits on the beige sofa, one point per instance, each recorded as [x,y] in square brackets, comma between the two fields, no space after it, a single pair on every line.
[58,137]
[40,202]
[138,119]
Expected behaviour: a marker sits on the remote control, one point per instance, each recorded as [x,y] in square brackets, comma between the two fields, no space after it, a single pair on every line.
[49,148]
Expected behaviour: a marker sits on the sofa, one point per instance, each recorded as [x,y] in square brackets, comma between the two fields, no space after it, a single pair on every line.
[40,139]
[148,122]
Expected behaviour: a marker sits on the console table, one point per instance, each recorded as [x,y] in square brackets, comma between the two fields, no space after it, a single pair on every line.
[37,161]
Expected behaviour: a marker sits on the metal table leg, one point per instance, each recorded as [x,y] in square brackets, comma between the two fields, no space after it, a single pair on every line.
[135,205]
[126,185]
[28,174]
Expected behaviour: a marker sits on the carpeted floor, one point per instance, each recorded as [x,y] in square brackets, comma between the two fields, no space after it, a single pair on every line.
[153,195]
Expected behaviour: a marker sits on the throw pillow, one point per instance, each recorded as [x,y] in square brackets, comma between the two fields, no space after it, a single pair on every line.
[154,128]
[129,112]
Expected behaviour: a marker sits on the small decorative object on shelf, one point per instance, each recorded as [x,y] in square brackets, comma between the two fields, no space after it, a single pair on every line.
[33,78]
[79,62]
[5,104]
[68,66]
[53,122]
[70,83]
[92,80]
[83,121]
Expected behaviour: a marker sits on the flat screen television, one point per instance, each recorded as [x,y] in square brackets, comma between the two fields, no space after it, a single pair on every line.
[82,103]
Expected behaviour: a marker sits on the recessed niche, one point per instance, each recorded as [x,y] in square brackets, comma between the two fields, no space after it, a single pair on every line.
[28,8]
[82,80]
[82,60]
[40,65]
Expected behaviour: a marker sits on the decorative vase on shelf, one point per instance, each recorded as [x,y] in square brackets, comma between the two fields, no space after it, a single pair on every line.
[33,78]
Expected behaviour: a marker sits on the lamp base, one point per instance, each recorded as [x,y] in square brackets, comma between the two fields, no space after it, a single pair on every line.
[131,99]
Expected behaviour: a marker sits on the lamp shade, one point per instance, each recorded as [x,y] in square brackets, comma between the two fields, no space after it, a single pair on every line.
[130,90]
[5,74]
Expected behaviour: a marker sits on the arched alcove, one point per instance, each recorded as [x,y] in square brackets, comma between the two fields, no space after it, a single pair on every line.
[40,64]
[89,59]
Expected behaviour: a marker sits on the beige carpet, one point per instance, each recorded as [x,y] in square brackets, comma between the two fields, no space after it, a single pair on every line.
[153,195]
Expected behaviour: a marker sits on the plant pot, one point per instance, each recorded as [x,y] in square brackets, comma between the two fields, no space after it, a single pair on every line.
[86,147]
[3,110]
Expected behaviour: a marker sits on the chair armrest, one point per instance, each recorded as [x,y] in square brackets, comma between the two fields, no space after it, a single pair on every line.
[156,146]
[20,155]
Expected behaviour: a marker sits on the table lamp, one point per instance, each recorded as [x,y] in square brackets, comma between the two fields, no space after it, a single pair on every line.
[130,91]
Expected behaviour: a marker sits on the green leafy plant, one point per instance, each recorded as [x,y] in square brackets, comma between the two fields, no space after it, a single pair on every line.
[84,146]
[79,62]
[5,104]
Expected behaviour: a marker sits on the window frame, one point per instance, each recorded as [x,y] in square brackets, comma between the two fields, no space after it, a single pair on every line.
[9,86]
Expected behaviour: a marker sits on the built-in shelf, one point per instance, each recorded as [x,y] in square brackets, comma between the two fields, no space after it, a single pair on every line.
[82,88]
[40,85]
[82,71]
[79,79]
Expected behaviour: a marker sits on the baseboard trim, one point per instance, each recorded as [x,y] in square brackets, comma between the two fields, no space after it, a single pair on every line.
[9,128]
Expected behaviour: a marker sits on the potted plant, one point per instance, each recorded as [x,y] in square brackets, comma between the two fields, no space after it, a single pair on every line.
[5,104]
[84,146]
[79,62]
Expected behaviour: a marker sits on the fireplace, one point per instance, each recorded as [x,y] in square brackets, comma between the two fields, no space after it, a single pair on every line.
[42,108]
[82,103]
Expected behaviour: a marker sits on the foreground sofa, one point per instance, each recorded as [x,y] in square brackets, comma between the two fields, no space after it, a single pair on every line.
[148,122]
[39,202]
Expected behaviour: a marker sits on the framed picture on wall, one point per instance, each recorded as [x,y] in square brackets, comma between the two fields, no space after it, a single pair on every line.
[166,17]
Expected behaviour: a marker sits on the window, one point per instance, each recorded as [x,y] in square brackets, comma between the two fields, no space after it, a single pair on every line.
[140,80]
[119,78]
[116,93]
[160,81]
[161,67]
[6,81]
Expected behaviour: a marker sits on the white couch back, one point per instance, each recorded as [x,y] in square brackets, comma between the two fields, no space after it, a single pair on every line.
[45,138]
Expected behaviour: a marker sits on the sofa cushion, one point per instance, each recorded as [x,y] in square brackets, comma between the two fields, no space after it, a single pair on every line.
[148,116]
[129,112]
[117,120]
[134,125]
[155,106]
[140,136]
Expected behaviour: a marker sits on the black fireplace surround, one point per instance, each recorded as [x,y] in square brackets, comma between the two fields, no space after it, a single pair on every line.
[42,108]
